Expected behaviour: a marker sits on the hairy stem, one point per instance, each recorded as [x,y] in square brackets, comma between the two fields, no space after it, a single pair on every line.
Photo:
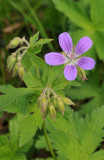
[27,43]
[20,49]
[47,140]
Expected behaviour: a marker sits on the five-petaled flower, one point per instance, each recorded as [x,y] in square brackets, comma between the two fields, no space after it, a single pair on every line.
[71,57]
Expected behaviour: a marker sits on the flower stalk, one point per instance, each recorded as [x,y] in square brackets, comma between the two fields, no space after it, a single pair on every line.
[48,142]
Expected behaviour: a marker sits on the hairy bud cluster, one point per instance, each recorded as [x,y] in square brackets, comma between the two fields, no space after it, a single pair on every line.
[15,42]
[50,102]
[14,60]
[15,66]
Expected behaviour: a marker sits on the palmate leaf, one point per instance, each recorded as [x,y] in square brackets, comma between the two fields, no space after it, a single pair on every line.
[89,136]
[35,50]
[14,135]
[29,124]
[97,17]
[12,95]
[53,77]
[36,61]
[31,59]
[98,40]
[72,11]
[9,144]
[20,105]
[32,81]
[7,154]
[35,47]
[90,91]
[87,27]
[64,126]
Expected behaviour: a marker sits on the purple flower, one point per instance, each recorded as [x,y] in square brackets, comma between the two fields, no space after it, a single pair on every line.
[71,57]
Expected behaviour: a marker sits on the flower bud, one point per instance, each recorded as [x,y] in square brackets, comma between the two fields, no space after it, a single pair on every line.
[21,72]
[81,73]
[68,101]
[15,69]
[14,43]
[55,104]
[10,62]
[52,111]
[61,105]
[43,103]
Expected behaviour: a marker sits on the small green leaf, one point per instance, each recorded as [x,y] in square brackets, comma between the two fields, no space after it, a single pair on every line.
[43,41]
[35,50]
[34,39]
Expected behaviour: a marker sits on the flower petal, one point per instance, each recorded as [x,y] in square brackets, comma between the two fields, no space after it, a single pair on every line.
[83,45]
[70,72]
[65,42]
[55,58]
[86,63]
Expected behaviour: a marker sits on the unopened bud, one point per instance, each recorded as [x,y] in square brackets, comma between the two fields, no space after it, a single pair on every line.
[15,69]
[21,72]
[82,74]
[52,111]
[61,105]
[10,62]
[68,101]
[55,104]
[14,43]
[43,103]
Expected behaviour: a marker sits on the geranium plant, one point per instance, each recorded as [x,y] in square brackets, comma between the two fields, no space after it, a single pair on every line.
[42,104]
